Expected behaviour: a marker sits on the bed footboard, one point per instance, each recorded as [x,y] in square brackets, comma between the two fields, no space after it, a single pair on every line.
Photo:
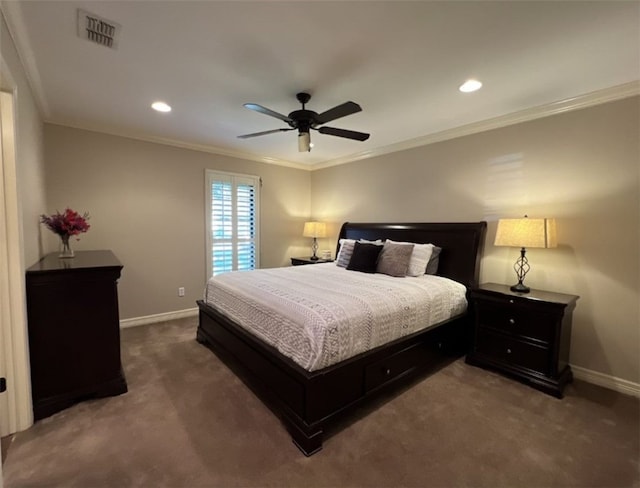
[307,402]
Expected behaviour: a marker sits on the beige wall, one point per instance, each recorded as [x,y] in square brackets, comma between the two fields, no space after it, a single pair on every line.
[146,202]
[582,167]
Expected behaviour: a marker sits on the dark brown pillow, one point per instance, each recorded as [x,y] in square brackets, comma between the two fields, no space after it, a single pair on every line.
[364,257]
[394,259]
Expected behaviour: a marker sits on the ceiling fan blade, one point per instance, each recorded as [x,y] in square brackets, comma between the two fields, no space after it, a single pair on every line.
[334,113]
[266,111]
[349,134]
[263,133]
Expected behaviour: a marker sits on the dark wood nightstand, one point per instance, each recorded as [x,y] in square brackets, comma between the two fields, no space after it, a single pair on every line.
[301,261]
[525,335]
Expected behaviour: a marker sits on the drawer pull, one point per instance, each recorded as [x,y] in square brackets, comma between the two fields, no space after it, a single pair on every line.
[508,351]
[510,301]
[387,371]
[512,321]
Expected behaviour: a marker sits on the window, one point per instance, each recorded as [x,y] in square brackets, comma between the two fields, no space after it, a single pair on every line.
[232,219]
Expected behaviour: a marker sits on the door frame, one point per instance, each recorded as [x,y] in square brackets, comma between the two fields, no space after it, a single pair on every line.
[16,411]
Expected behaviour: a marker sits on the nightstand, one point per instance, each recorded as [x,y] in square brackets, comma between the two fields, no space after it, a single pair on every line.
[301,261]
[524,335]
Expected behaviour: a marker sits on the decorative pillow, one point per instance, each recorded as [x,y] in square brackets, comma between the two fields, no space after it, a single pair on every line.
[394,259]
[419,258]
[346,250]
[434,260]
[364,257]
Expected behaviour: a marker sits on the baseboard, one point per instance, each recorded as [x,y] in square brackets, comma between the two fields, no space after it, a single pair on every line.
[159,317]
[607,381]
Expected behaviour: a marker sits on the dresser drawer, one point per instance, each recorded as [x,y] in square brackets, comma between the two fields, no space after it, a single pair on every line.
[508,350]
[517,320]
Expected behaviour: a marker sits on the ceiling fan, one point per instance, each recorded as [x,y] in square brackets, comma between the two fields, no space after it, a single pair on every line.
[304,120]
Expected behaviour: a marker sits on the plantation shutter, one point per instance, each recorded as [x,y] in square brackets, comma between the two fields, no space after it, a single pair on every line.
[232,224]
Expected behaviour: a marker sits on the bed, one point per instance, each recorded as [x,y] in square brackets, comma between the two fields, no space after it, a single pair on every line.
[311,399]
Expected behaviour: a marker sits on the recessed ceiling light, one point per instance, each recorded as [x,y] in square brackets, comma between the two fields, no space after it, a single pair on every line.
[470,86]
[160,107]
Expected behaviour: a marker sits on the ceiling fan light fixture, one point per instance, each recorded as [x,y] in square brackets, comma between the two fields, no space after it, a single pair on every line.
[304,142]
[304,120]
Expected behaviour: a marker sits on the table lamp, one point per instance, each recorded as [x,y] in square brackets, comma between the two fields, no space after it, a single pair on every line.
[525,233]
[315,230]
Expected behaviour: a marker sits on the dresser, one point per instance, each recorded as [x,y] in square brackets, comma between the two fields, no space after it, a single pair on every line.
[74,330]
[524,335]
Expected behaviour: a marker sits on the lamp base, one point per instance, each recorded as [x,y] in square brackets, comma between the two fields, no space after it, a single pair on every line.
[520,288]
[521,268]
[314,248]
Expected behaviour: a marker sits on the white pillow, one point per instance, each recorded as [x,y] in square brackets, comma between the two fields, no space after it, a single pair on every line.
[345,252]
[419,257]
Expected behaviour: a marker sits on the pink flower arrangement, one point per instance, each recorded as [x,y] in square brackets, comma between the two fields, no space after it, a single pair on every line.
[68,223]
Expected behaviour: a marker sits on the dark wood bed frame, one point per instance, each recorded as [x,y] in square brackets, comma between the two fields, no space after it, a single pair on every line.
[308,402]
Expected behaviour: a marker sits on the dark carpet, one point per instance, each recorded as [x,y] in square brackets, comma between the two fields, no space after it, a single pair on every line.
[187,421]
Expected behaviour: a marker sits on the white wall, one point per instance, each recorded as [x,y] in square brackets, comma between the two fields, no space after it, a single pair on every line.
[581,167]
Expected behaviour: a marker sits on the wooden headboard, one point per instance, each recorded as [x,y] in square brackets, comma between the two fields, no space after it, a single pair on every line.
[461,243]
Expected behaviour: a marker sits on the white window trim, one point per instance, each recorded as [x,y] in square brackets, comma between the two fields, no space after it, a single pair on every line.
[210,175]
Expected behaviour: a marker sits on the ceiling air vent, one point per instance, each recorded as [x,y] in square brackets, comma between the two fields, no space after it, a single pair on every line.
[97,29]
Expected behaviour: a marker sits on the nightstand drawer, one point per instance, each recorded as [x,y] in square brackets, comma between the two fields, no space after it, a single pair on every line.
[505,349]
[516,320]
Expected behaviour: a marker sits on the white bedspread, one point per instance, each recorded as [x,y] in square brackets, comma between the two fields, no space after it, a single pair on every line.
[321,314]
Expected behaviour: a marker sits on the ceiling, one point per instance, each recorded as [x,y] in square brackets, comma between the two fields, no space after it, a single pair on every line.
[402,62]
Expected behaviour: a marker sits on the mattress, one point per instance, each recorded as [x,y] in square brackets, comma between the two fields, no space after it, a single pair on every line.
[321,314]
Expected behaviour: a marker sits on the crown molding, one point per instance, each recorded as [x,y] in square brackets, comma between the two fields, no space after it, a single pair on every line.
[18,33]
[575,103]
[181,144]
[12,13]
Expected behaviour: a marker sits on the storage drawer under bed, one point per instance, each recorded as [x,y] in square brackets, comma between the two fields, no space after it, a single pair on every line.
[409,360]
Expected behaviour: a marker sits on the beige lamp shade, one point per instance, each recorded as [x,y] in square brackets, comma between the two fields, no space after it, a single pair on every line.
[526,233]
[314,229]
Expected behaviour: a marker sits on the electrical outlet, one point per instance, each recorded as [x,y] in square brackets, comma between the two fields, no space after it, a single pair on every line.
[181,291]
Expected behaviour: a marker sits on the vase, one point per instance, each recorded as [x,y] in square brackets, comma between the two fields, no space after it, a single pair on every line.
[67,252]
